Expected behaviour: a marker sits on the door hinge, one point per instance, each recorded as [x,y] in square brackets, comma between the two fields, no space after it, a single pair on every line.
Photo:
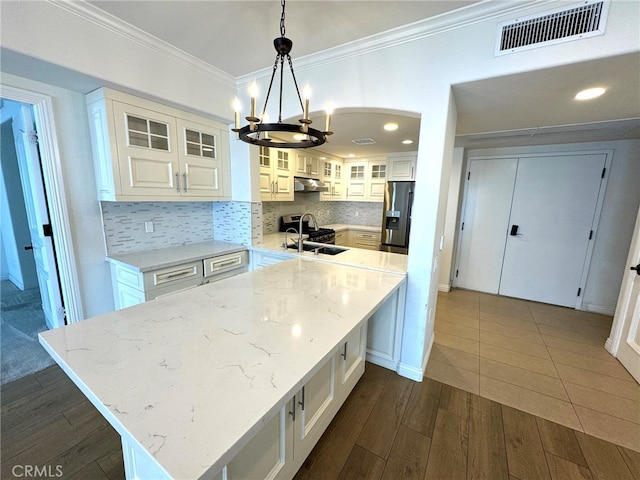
[47,230]
[33,137]
[579,291]
[462,226]
[604,170]
[62,315]
[468,175]
[591,235]
[456,273]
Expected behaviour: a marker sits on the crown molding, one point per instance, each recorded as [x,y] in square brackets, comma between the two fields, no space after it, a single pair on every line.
[109,22]
[463,17]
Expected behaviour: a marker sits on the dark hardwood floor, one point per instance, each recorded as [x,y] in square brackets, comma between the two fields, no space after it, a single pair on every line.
[389,428]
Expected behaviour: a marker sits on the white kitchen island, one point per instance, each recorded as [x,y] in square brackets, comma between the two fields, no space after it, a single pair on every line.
[231,379]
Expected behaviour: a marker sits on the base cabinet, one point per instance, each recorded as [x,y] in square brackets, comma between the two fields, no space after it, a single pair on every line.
[131,287]
[280,447]
[384,337]
[364,239]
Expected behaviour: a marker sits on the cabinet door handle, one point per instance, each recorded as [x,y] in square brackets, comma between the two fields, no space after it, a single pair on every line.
[412,172]
[302,402]
[177,182]
[277,188]
[184,177]
[293,413]
[344,353]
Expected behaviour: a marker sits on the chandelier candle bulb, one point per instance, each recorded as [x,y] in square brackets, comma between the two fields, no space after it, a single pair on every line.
[237,107]
[253,92]
[306,93]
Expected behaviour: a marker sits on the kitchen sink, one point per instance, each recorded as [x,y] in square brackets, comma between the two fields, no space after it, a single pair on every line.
[321,248]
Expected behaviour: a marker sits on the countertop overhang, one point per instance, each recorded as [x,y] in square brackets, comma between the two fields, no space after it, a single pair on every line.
[192,376]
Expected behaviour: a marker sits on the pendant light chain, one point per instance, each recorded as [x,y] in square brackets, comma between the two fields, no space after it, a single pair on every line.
[282,20]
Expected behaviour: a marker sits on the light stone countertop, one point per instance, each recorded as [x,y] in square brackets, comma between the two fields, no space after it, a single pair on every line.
[192,376]
[357,257]
[147,260]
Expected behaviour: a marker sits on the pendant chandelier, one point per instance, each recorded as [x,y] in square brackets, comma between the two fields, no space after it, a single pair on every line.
[282,135]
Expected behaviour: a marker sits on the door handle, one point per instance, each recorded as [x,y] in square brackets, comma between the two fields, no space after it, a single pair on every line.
[514,230]
[636,268]
[30,247]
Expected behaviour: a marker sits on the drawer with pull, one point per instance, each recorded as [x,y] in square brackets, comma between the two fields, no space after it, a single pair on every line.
[172,275]
[223,263]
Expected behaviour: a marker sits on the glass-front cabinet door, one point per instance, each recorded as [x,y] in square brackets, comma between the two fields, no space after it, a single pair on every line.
[201,169]
[146,142]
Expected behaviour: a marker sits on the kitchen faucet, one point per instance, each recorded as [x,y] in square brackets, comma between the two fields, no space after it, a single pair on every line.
[315,224]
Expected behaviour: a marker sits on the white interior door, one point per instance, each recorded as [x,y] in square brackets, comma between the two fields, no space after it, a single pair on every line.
[38,216]
[552,214]
[628,309]
[485,220]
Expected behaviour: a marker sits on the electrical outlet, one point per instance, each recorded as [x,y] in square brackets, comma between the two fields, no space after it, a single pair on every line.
[148,227]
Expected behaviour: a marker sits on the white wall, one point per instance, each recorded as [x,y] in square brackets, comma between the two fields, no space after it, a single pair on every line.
[413,74]
[613,236]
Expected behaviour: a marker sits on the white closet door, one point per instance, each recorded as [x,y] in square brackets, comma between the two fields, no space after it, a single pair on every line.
[554,203]
[485,219]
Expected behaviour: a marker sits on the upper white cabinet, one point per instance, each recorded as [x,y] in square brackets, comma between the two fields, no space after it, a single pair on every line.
[401,166]
[365,180]
[146,151]
[307,164]
[276,174]
[331,175]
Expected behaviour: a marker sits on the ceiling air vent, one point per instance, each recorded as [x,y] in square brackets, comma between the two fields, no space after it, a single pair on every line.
[364,141]
[578,21]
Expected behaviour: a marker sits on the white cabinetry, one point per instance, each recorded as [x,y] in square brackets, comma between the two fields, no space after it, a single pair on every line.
[401,166]
[331,176]
[366,180]
[280,447]
[384,335]
[307,165]
[364,239]
[342,237]
[146,151]
[276,175]
[131,287]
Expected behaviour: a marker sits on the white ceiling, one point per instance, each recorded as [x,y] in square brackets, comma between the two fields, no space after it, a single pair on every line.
[529,108]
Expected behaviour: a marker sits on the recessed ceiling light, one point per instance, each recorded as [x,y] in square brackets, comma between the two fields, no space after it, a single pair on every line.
[390,127]
[590,93]
[299,137]
[352,155]
[407,142]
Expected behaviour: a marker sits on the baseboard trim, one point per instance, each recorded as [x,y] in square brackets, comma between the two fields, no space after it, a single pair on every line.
[603,309]
[444,287]
[410,372]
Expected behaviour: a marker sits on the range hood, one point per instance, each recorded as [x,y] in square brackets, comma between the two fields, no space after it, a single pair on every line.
[302,184]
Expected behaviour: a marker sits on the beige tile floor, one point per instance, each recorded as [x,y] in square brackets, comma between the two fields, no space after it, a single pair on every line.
[545,360]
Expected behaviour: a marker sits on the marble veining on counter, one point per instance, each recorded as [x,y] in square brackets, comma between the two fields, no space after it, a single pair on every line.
[192,376]
[166,257]
[356,257]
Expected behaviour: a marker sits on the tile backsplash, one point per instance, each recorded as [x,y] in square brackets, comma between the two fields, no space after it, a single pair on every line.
[179,223]
[368,213]
[174,223]
[238,222]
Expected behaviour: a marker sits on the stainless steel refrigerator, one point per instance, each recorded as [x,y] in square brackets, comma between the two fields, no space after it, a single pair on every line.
[396,217]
